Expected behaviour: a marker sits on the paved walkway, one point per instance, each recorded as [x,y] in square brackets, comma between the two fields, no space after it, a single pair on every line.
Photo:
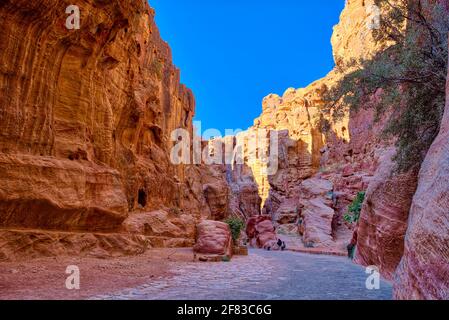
[263,276]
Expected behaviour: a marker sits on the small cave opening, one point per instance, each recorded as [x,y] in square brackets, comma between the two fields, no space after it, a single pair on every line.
[142,198]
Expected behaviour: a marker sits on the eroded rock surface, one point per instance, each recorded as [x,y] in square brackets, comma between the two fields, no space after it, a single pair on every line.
[213,238]
[424,269]
[85,118]
[384,217]
[261,232]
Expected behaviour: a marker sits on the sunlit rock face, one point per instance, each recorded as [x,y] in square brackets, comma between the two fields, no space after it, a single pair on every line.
[353,35]
[86,117]
[295,119]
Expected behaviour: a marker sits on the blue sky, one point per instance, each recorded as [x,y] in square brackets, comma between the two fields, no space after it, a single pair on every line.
[233,53]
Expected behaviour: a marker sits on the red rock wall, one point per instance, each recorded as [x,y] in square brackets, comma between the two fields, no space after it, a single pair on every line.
[86,117]
[424,269]
[384,217]
[392,227]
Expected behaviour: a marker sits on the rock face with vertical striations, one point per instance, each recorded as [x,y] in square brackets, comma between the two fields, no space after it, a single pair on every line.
[384,217]
[424,269]
[317,213]
[86,117]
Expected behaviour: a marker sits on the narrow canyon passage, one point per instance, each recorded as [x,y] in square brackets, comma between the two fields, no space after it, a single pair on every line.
[262,275]
[104,166]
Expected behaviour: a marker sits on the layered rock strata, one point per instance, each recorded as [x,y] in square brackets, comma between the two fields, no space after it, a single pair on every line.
[85,118]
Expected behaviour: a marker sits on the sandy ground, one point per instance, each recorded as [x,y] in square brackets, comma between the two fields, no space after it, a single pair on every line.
[45,278]
[171,274]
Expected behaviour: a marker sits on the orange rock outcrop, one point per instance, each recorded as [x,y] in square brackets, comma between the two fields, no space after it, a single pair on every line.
[85,118]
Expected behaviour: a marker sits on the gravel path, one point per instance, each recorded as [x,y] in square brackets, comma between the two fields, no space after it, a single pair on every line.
[262,276]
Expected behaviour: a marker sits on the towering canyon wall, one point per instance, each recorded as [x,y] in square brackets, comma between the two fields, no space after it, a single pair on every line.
[388,219]
[85,123]
[383,220]
[424,269]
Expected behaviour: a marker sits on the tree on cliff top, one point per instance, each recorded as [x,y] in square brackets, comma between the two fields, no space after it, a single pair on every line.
[408,78]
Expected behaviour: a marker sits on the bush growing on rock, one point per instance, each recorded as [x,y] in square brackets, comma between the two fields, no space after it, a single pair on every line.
[355,208]
[406,80]
[236,225]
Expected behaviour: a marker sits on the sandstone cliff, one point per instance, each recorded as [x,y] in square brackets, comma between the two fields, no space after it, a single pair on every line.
[85,118]
[383,221]
[424,269]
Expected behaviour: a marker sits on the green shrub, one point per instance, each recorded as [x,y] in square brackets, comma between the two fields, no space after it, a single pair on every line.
[353,214]
[236,226]
[411,73]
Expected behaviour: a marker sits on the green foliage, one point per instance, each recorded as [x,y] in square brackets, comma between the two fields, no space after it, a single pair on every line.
[236,226]
[408,79]
[355,208]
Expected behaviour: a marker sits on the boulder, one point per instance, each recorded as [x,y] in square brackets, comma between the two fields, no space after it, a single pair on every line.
[317,223]
[316,188]
[260,231]
[213,238]
[251,224]
[316,199]
[287,213]
[265,233]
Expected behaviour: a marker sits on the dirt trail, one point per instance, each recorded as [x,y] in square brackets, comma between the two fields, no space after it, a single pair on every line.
[262,275]
[172,274]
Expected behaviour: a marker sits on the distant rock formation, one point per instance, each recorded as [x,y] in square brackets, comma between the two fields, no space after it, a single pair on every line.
[342,153]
